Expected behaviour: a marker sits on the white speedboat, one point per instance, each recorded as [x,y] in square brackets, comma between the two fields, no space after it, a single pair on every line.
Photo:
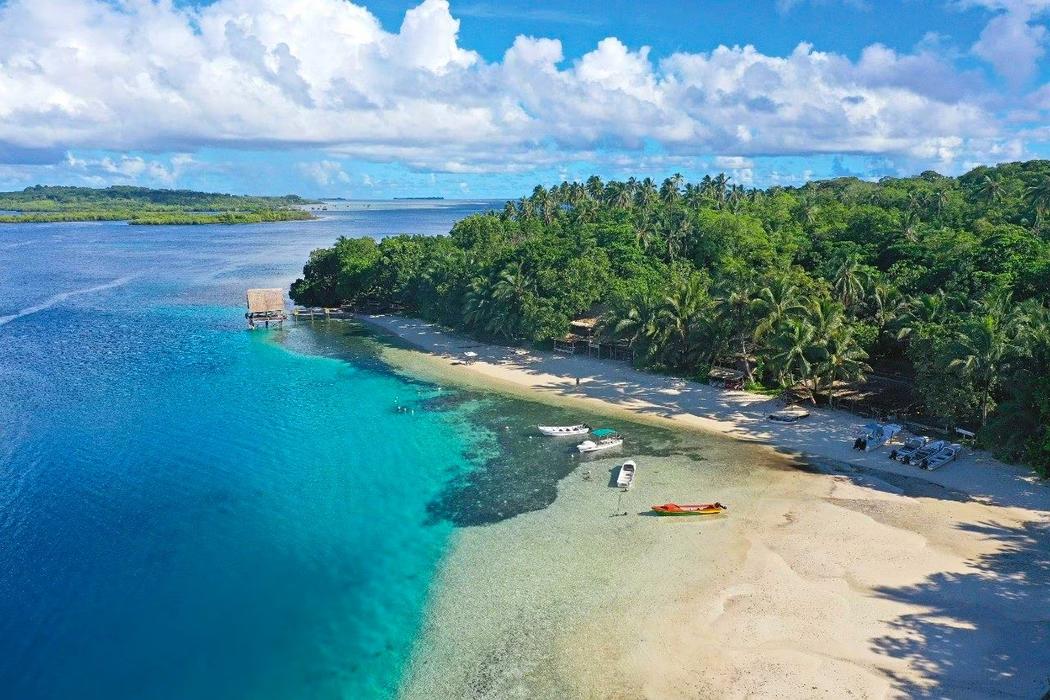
[911,446]
[604,439]
[626,475]
[938,460]
[564,430]
[926,451]
[874,435]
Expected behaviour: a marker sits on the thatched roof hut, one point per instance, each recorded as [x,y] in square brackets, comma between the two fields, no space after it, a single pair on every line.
[265,305]
[262,301]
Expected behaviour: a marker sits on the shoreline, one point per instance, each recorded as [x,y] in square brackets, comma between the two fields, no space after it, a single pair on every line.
[615,388]
[832,574]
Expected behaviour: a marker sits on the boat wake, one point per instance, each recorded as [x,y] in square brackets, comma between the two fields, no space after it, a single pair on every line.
[59,298]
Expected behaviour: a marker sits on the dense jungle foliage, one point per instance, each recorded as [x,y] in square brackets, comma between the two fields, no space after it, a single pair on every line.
[943,281]
[141,205]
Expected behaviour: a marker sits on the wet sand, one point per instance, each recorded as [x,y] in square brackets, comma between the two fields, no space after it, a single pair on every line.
[851,577]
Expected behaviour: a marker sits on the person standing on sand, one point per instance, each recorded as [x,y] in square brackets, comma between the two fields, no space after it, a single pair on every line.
[577,382]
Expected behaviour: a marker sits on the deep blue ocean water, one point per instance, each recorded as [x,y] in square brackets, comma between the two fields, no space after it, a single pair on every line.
[189,509]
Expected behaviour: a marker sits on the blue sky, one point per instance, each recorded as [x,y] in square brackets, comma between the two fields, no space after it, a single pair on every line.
[485,98]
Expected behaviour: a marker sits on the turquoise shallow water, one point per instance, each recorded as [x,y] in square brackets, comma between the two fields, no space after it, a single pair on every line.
[188,509]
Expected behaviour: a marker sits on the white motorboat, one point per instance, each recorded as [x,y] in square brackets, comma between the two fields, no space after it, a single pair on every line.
[604,439]
[874,435]
[926,451]
[911,446]
[938,460]
[626,475]
[564,430]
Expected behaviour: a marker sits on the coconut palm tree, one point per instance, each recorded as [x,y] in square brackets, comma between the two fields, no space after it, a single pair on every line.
[647,194]
[478,305]
[670,192]
[990,190]
[637,322]
[774,305]
[792,348]
[644,228]
[734,307]
[843,361]
[920,312]
[719,184]
[909,226]
[684,314]
[1037,197]
[850,282]
[989,341]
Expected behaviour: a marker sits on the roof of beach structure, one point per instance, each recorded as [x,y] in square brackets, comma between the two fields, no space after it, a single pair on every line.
[265,300]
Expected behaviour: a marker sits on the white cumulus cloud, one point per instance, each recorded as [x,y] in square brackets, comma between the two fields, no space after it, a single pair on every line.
[153,76]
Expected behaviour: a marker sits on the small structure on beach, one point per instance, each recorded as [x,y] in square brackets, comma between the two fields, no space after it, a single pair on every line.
[583,337]
[726,378]
[265,306]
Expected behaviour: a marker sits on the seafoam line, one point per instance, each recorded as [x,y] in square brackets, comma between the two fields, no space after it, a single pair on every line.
[59,298]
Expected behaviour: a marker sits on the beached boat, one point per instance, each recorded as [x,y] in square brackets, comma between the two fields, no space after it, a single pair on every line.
[693,509]
[938,460]
[912,445]
[872,436]
[564,430]
[626,476]
[925,452]
[604,439]
[790,414]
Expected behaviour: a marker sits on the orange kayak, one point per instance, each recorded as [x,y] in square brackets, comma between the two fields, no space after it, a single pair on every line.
[693,509]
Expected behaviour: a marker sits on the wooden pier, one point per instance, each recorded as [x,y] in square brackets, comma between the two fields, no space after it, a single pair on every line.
[300,313]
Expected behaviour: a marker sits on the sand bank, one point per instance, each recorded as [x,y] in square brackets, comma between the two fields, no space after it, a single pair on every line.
[870,580]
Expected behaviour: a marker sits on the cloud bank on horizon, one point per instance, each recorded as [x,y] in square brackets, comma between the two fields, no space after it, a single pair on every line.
[137,90]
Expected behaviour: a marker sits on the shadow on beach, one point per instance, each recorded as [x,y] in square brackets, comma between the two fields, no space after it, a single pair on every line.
[980,634]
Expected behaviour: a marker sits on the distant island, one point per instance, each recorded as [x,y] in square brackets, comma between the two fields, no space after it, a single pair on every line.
[923,297]
[145,206]
[419,198]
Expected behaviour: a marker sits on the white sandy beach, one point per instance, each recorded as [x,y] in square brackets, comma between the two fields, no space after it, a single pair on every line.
[872,580]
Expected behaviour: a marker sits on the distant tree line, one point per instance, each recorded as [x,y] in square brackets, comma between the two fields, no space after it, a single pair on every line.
[944,281]
[141,205]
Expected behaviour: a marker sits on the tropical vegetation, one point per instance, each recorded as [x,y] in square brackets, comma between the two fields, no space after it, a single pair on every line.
[140,205]
[940,282]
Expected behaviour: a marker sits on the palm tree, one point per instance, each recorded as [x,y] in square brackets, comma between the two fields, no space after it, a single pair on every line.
[921,312]
[595,188]
[850,282]
[647,194]
[683,314]
[669,191]
[644,227]
[774,305]
[638,322]
[909,226]
[887,303]
[477,304]
[792,347]
[988,342]
[1038,197]
[990,190]
[735,308]
[843,361]
[719,185]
